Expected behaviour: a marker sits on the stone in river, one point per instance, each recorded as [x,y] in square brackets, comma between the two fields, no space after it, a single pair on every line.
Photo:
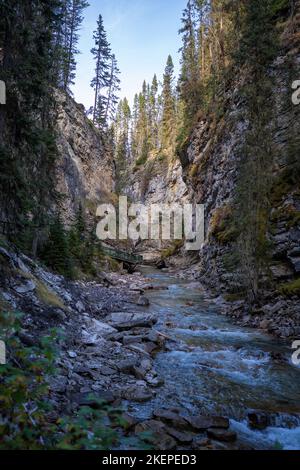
[143,301]
[222,435]
[126,320]
[182,437]
[258,420]
[172,419]
[138,394]
[201,423]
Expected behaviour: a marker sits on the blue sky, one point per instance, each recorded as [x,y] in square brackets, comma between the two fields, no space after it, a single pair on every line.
[142,33]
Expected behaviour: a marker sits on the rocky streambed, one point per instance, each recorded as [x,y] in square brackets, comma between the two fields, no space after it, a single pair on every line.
[159,348]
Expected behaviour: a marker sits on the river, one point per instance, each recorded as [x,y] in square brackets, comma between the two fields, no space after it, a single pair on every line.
[220,368]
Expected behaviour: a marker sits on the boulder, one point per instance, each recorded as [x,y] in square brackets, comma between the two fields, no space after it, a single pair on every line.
[143,301]
[28,286]
[101,329]
[94,400]
[202,423]
[258,420]
[137,394]
[222,435]
[172,419]
[182,437]
[80,307]
[127,366]
[126,321]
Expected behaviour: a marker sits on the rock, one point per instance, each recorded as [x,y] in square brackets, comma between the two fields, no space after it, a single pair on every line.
[80,307]
[172,419]
[95,399]
[127,421]
[202,423]
[281,271]
[28,286]
[127,366]
[146,364]
[264,324]
[143,301]
[132,340]
[59,384]
[107,371]
[102,329]
[27,339]
[157,435]
[126,321]
[258,420]
[150,347]
[222,435]
[296,263]
[72,354]
[140,373]
[181,437]
[135,288]
[161,264]
[154,381]
[138,394]
[201,442]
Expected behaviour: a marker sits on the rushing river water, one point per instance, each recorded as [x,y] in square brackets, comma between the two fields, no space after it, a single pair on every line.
[221,368]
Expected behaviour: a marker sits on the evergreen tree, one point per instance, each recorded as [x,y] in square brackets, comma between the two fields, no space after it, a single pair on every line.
[27,146]
[189,77]
[56,252]
[122,142]
[73,18]
[168,102]
[153,113]
[113,88]
[101,81]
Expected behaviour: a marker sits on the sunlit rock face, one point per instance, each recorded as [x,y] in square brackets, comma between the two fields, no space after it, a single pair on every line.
[85,173]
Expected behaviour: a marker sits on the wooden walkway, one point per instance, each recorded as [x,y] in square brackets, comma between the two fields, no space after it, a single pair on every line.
[120,255]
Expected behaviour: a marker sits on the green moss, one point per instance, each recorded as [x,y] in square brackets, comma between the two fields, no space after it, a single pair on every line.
[141,161]
[291,288]
[234,297]
[172,250]
[222,226]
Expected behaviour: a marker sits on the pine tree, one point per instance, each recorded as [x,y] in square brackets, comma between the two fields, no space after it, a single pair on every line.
[27,144]
[113,88]
[153,113]
[73,18]
[56,252]
[122,142]
[190,76]
[168,101]
[101,81]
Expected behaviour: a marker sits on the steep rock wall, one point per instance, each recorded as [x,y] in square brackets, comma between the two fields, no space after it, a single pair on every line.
[85,170]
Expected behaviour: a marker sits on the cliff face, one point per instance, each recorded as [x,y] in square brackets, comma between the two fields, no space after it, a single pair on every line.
[211,165]
[85,171]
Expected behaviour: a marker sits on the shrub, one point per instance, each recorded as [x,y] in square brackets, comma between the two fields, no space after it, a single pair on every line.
[291,288]
[25,404]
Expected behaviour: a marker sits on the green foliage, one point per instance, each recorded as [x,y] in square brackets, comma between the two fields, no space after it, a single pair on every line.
[290,289]
[25,404]
[222,225]
[172,250]
[141,161]
[56,252]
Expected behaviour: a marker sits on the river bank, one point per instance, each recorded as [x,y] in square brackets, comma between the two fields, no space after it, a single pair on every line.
[157,347]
